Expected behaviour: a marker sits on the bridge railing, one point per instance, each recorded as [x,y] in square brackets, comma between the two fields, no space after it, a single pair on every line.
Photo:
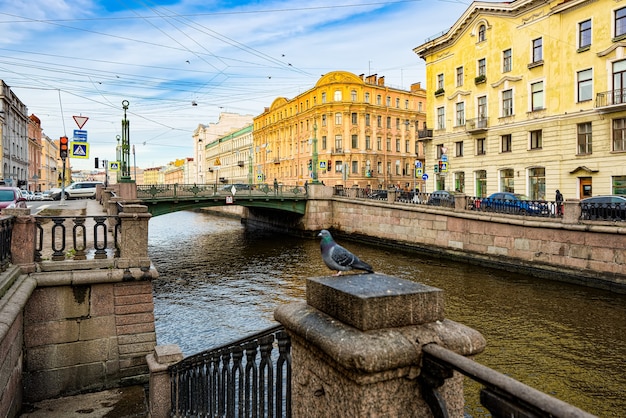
[6,226]
[175,191]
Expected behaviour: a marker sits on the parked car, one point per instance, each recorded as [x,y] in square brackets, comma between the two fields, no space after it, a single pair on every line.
[28,195]
[11,197]
[238,186]
[49,194]
[378,195]
[610,207]
[506,202]
[78,190]
[441,198]
[37,196]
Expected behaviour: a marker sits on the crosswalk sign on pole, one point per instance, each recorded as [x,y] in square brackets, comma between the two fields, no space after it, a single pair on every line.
[114,166]
[79,150]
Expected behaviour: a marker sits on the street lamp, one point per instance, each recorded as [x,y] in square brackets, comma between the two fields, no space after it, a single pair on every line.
[314,157]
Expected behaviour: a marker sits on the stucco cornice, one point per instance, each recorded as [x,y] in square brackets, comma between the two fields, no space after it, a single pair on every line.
[612,48]
[505,79]
[458,93]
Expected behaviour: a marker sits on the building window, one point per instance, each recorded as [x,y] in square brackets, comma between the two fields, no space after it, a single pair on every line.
[620,22]
[323,120]
[439,81]
[406,104]
[459,76]
[388,122]
[379,167]
[584,138]
[368,142]
[355,141]
[397,123]
[353,95]
[397,102]
[481,183]
[507,180]
[388,143]
[460,114]
[379,143]
[441,118]
[619,82]
[507,103]
[367,97]
[482,107]
[354,118]
[585,85]
[338,118]
[440,151]
[407,146]
[535,139]
[324,97]
[536,96]
[388,101]
[507,60]
[379,121]
[324,142]
[355,167]
[458,147]
[505,140]
[379,99]
[482,67]
[584,34]
[337,95]
[481,146]
[397,145]
[482,29]
[619,134]
[537,183]
[367,119]
[619,185]
[459,181]
[338,143]
[537,50]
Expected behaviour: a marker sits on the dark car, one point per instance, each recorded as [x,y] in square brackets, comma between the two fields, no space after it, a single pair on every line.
[506,202]
[610,208]
[237,186]
[11,197]
[378,195]
[441,198]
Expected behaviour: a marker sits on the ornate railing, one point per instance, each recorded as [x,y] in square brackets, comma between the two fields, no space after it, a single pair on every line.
[177,191]
[87,235]
[611,98]
[246,378]
[603,211]
[501,395]
[6,227]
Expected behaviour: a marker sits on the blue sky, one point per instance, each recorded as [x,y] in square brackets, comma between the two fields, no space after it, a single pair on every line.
[82,57]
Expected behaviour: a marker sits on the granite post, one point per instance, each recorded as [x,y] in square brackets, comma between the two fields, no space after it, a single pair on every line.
[160,393]
[357,343]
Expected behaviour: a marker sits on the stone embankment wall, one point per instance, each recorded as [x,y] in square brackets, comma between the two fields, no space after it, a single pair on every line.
[591,253]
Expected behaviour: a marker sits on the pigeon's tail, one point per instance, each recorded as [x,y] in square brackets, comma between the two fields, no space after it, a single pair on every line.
[361,265]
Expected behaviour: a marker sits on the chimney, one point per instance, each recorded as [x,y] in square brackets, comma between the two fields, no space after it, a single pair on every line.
[381,81]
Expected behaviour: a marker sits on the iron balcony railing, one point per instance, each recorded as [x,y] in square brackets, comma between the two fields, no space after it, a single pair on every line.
[246,378]
[59,238]
[503,396]
[611,98]
[6,229]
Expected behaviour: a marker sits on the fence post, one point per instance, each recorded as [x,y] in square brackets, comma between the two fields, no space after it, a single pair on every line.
[160,392]
[571,211]
[357,344]
[22,239]
[134,237]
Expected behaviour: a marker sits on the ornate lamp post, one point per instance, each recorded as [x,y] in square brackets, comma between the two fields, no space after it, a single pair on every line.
[125,161]
[314,157]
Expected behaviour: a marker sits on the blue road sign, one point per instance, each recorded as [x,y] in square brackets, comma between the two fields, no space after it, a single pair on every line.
[80,135]
[425,176]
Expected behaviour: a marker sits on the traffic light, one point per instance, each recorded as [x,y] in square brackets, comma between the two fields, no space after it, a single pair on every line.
[330,165]
[310,165]
[63,148]
[97,162]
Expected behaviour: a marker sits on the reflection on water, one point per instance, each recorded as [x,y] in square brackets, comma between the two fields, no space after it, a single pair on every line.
[219,282]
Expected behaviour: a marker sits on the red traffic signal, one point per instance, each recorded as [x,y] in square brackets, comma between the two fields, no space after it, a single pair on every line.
[63,147]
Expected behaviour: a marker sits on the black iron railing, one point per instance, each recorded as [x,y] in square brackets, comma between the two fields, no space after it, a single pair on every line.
[6,228]
[246,378]
[603,211]
[501,395]
[54,232]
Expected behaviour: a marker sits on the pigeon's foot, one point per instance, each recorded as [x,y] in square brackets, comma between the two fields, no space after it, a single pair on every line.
[337,274]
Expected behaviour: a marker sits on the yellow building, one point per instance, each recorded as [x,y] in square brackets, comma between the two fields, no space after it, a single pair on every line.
[364,133]
[529,96]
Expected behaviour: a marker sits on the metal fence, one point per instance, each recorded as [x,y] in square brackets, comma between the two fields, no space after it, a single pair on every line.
[173,191]
[246,378]
[501,395]
[6,227]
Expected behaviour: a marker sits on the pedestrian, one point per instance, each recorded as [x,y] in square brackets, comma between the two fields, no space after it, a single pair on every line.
[559,203]
[275,186]
[306,186]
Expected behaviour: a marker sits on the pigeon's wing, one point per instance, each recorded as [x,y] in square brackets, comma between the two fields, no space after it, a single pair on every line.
[342,257]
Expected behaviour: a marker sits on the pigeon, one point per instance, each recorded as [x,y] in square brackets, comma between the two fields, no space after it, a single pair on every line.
[338,258]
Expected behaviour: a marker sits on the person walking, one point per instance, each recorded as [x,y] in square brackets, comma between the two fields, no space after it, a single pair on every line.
[275,187]
[559,203]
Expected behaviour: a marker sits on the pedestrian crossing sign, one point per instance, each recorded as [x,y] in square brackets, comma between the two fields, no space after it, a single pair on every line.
[114,166]
[79,150]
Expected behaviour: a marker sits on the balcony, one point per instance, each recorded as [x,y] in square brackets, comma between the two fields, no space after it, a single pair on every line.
[477,125]
[425,134]
[337,151]
[240,163]
[611,101]
[276,160]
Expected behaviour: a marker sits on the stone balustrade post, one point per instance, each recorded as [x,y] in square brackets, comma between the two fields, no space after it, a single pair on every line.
[357,343]
[571,211]
[460,202]
[160,391]
[22,239]
[391,194]
[319,191]
[134,237]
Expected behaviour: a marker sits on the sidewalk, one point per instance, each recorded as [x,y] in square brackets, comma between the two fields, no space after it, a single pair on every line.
[126,402]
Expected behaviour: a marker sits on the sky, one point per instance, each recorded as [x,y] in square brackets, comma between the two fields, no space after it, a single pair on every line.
[180,63]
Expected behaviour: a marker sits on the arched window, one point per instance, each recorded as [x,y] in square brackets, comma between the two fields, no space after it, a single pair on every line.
[481,33]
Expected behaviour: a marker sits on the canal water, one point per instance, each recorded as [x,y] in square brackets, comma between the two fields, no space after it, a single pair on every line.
[219,282]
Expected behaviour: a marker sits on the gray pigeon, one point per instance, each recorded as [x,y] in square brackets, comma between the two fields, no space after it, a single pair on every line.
[338,258]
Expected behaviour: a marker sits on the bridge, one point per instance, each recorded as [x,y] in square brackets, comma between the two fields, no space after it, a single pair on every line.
[166,198]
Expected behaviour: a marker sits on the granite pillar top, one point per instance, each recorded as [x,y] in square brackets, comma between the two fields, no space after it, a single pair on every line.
[375,301]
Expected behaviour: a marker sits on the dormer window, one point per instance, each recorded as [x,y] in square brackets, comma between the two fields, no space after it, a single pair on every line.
[482,29]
